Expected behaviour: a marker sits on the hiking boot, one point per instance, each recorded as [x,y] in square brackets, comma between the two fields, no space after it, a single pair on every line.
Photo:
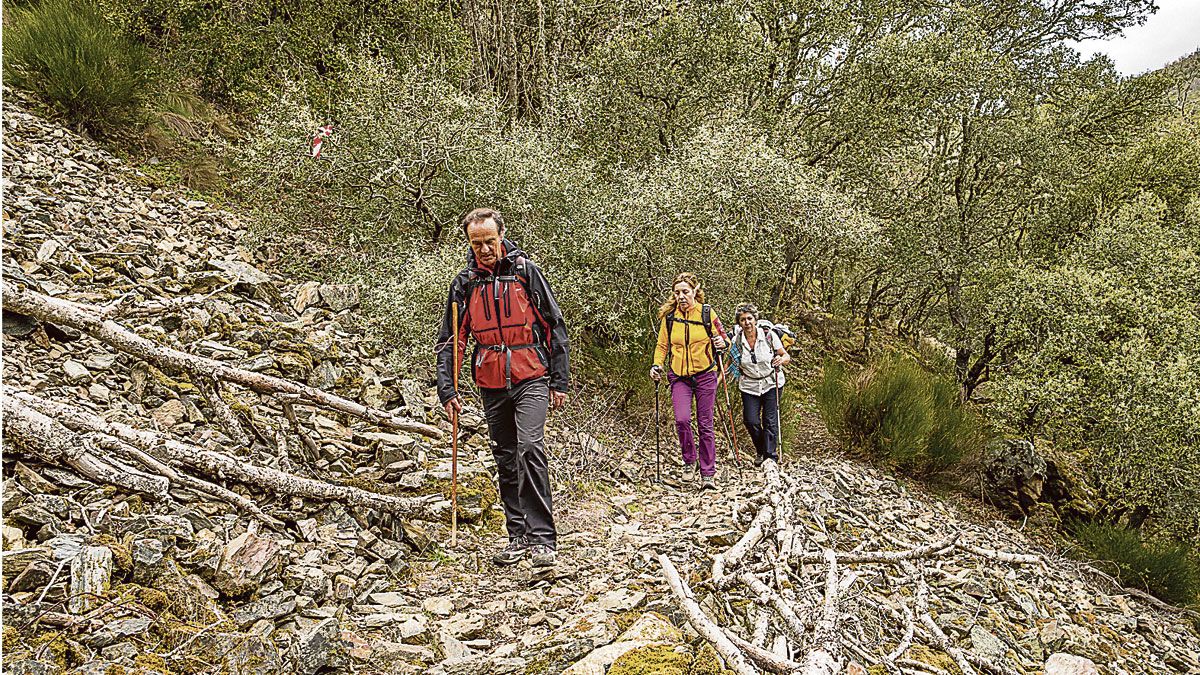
[542,555]
[758,461]
[689,473]
[511,554]
[708,483]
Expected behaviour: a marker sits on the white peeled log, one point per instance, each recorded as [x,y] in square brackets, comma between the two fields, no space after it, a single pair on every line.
[49,441]
[823,658]
[733,556]
[764,658]
[705,626]
[91,573]
[765,595]
[181,479]
[93,321]
[223,466]
[923,551]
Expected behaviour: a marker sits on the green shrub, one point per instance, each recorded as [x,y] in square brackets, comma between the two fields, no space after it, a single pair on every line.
[899,413]
[65,52]
[1169,570]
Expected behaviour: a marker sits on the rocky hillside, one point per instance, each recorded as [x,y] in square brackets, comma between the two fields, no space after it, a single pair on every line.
[164,515]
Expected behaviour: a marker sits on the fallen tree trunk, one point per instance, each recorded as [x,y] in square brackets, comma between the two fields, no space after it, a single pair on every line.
[130,453]
[92,320]
[703,625]
[52,443]
[220,465]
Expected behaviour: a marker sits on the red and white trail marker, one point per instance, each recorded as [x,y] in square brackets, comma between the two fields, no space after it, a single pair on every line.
[322,133]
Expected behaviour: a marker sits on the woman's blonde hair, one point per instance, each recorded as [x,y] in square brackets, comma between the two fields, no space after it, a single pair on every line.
[687,278]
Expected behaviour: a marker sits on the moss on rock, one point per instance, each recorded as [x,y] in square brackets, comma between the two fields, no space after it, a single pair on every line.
[150,598]
[625,619]
[122,559]
[938,659]
[651,660]
[151,662]
[10,640]
[706,662]
[61,652]
[169,383]
[476,497]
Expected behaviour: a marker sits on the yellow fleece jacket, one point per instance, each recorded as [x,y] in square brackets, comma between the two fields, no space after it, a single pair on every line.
[690,348]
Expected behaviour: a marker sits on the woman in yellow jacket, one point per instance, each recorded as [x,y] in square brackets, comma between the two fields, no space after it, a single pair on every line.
[684,330]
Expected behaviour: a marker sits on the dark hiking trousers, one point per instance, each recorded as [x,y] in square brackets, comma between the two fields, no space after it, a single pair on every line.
[761,415]
[516,420]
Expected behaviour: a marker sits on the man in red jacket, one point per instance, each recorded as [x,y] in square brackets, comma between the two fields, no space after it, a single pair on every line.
[520,365]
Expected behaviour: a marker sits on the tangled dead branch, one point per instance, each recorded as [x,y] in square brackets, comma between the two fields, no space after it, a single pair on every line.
[804,589]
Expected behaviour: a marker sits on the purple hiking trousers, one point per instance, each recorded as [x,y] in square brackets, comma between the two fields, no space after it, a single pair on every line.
[704,388]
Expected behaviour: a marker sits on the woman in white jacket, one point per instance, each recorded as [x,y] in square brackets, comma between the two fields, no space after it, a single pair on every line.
[759,358]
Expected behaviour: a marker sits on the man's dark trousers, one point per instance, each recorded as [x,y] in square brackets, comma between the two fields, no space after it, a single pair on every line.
[516,420]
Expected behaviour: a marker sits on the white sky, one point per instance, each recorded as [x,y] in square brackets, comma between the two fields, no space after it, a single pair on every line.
[1173,31]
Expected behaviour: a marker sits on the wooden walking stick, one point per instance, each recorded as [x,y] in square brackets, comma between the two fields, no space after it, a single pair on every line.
[454,442]
[720,417]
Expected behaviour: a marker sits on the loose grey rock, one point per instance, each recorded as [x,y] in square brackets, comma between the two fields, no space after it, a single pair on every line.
[76,372]
[987,645]
[117,630]
[440,605]
[18,325]
[339,296]
[269,607]
[1068,664]
[245,562]
[313,650]
[119,651]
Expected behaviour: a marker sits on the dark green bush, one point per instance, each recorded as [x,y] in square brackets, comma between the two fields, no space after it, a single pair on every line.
[66,53]
[1168,570]
[899,413]
[236,53]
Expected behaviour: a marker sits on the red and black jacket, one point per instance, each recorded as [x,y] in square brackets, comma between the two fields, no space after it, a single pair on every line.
[518,328]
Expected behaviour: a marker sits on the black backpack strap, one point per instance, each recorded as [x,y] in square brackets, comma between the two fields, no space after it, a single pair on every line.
[706,319]
[521,271]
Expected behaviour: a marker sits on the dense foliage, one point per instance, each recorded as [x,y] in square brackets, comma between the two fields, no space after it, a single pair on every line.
[951,172]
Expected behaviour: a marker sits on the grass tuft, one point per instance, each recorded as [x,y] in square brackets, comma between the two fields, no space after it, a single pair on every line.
[900,414]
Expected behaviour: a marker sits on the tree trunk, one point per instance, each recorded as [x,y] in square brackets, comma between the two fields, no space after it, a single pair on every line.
[91,320]
[224,466]
[48,441]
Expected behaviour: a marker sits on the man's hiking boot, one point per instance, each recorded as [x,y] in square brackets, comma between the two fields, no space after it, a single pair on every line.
[510,555]
[689,473]
[542,555]
[709,483]
[758,461]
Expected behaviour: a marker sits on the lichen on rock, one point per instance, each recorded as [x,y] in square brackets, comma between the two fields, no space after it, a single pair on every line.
[652,660]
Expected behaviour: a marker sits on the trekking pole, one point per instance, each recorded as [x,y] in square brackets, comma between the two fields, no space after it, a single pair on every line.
[729,406]
[778,423]
[725,427]
[454,442]
[657,437]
